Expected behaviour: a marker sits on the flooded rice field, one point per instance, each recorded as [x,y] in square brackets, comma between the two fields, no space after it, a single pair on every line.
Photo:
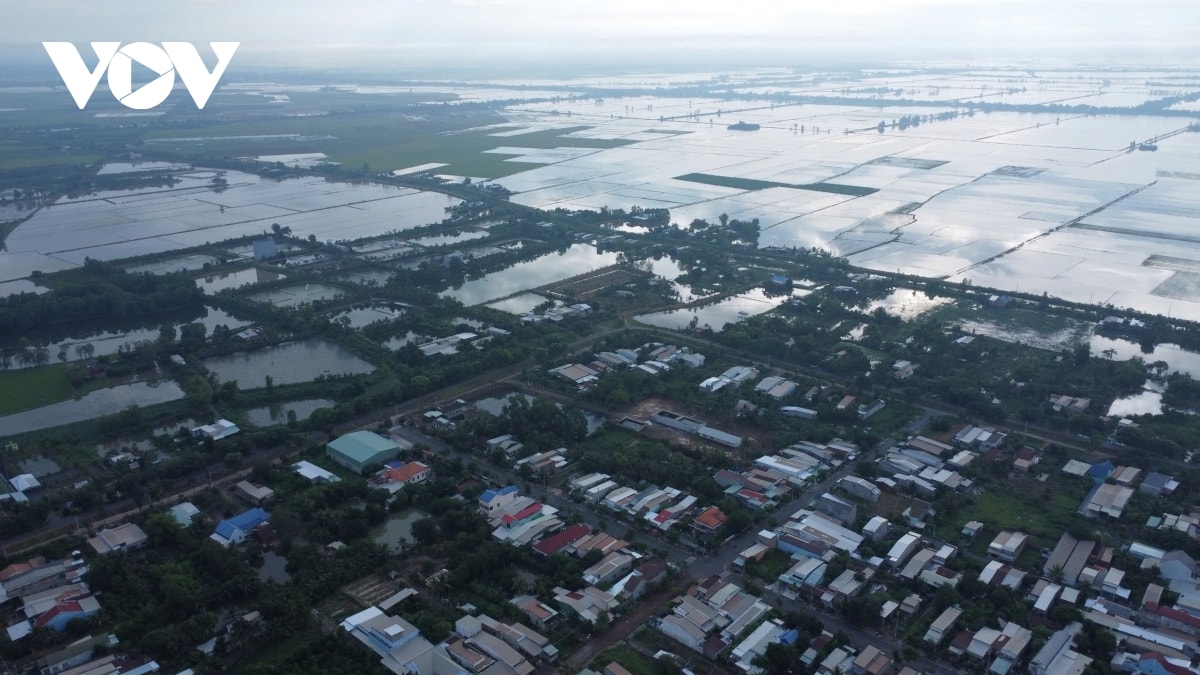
[125,223]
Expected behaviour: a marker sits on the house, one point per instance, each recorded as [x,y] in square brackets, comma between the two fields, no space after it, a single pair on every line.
[709,521]
[972,529]
[1158,485]
[837,507]
[560,541]
[903,548]
[1070,404]
[236,529]
[184,513]
[871,661]
[63,613]
[222,428]
[395,475]
[361,449]
[877,528]
[608,569]
[1058,657]
[120,538]
[1106,499]
[1007,546]
[313,473]
[941,626]
[859,488]
[25,482]
[257,495]
[587,603]
[491,501]
[1068,559]
[538,613]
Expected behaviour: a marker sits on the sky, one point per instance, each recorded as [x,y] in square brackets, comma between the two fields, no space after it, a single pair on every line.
[410,34]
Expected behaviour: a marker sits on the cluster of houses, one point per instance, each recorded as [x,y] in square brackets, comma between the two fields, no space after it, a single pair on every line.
[926,465]
[1109,499]
[450,344]
[660,358]
[619,576]
[803,461]
[712,615]
[662,508]
[479,644]
[50,593]
[558,313]
[732,378]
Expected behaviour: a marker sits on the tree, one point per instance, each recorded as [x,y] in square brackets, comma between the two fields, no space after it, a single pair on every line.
[426,531]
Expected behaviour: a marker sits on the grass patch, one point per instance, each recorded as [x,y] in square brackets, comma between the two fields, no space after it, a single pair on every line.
[753,184]
[33,387]
[1043,510]
[1029,327]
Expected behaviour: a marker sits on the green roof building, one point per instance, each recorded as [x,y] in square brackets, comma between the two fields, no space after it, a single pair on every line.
[361,449]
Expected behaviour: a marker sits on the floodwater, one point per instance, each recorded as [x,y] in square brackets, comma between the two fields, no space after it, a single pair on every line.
[290,296]
[125,223]
[408,338]
[398,528]
[91,405]
[287,363]
[670,269]
[716,315]
[1178,359]
[105,343]
[366,315]
[518,304]
[907,304]
[274,568]
[213,283]
[577,259]
[278,413]
[448,239]
[1146,402]
[495,406]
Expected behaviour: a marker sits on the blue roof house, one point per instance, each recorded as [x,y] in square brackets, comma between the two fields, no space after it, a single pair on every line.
[236,529]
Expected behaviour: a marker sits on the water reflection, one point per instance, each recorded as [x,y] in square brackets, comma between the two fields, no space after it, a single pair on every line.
[287,363]
[1145,403]
[397,531]
[1178,359]
[278,413]
[577,259]
[213,283]
[716,315]
[907,303]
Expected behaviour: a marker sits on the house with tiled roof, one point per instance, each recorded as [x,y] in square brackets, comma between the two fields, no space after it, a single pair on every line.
[709,521]
[63,613]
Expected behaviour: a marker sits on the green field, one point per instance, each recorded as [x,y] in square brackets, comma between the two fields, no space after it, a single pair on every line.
[753,184]
[33,387]
[1043,510]
[382,142]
